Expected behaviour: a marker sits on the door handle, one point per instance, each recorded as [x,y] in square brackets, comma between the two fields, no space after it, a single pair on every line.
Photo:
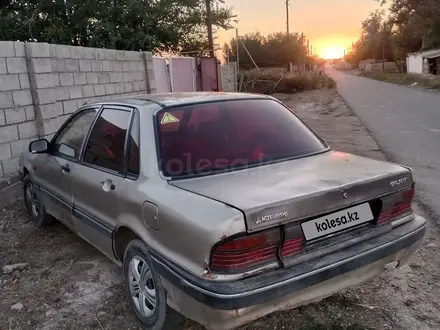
[107,185]
[65,168]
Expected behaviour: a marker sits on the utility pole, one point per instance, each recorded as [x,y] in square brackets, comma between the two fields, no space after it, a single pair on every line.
[209,25]
[287,17]
[238,50]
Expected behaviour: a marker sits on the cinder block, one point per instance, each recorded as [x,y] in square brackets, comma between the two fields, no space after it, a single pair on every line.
[22,98]
[40,65]
[51,110]
[97,65]
[141,66]
[101,53]
[62,93]
[138,75]
[50,126]
[3,69]
[55,79]
[92,78]
[111,54]
[119,88]
[85,65]
[76,52]
[5,151]
[44,80]
[16,65]
[27,130]
[19,49]
[30,113]
[7,49]
[90,53]
[103,78]
[148,56]
[107,66]
[99,90]
[125,76]
[120,55]
[133,56]
[128,87]
[15,116]
[8,134]
[115,77]
[17,147]
[126,66]
[53,50]
[24,81]
[87,91]
[117,66]
[2,118]
[6,100]
[66,79]
[134,65]
[110,89]
[79,78]
[137,86]
[72,65]
[37,49]
[63,51]
[58,65]
[70,106]
[10,166]
[44,96]
[9,82]
[75,92]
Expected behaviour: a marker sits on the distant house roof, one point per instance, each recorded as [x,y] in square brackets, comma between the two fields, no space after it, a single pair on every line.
[431,53]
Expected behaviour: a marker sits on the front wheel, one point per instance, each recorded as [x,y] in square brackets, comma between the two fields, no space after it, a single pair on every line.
[36,210]
[145,291]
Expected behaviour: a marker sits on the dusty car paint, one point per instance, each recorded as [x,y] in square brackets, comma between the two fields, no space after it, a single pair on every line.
[193,215]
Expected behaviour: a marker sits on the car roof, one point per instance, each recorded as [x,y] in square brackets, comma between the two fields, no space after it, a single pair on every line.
[176,99]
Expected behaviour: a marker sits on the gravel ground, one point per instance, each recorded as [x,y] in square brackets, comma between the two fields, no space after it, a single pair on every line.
[70,285]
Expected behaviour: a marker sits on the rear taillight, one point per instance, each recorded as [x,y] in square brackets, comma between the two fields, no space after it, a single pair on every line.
[396,208]
[246,252]
[252,251]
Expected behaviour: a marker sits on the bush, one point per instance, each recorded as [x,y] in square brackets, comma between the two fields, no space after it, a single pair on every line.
[277,80]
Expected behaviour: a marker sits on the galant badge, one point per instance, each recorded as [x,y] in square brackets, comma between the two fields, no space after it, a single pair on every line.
[269,217]
[398,182]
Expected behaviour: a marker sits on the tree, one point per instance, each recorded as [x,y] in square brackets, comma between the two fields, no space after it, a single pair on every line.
[273,50]
[168,25]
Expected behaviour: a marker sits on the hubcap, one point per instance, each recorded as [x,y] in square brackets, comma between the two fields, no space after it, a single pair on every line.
[32,200]
[142,288]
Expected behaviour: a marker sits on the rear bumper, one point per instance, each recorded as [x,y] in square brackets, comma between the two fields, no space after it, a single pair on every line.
[283,282]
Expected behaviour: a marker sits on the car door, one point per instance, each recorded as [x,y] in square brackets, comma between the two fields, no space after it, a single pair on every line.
[102,173]
[53,170]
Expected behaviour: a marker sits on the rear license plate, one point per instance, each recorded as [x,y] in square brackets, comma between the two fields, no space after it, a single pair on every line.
[337,221]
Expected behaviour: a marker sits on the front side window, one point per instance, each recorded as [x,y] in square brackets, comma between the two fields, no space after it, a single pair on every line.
[106,144]
[231,134]
[69,141]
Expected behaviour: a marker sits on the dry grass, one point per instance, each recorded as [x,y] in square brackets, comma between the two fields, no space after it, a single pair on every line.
[431,82]
[277,80]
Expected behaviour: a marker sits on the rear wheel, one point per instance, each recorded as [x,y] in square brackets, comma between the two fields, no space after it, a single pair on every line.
[145,291]
[36,210]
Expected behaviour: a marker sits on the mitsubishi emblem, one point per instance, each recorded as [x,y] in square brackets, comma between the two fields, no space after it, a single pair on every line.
[345,195]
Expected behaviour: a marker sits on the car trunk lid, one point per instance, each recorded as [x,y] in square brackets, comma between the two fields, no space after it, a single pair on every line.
[291,191]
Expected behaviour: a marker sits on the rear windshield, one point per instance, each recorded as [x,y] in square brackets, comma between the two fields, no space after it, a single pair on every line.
[230,135]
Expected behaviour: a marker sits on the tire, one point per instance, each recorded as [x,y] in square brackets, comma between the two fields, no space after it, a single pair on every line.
[137,264]
[35,209]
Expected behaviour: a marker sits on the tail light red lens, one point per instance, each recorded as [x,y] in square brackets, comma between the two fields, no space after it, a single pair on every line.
[246,252]
[399,208]
[253,250]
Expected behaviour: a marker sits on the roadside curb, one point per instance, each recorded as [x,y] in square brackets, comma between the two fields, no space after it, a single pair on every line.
[10,194]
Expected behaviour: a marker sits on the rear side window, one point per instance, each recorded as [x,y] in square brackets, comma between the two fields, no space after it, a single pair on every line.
[106,144]
[209,137]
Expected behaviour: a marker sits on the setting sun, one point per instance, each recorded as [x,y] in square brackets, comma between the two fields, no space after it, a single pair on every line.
[332,52]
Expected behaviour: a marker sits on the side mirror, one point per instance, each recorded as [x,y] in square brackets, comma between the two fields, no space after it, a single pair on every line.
[39,146]
[66,150]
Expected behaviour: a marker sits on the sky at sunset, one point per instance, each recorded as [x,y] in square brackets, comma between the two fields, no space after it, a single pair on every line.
[330,25]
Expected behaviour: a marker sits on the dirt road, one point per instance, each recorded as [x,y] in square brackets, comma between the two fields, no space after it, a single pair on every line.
[70,285]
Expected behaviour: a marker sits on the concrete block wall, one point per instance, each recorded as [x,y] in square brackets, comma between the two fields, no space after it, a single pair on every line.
[17,112]
[42,84]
